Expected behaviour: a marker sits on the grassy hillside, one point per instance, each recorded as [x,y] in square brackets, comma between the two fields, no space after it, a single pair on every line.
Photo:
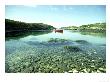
[70,28]
[96,26]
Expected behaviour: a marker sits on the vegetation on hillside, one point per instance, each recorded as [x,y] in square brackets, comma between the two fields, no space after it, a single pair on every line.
[11,25]
[96,26]
[70,28]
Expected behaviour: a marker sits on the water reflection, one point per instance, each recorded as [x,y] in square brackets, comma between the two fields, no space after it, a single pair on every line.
[99,34]
[17,35]
[69,35]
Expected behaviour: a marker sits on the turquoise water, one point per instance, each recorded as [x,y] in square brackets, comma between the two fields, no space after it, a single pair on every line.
[51,52]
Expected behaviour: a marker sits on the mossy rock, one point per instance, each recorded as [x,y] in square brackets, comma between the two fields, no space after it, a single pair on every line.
[56,40]
[72,48]
[82,41]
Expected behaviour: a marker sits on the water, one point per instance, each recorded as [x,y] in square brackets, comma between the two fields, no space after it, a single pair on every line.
[92,38]
[73,52]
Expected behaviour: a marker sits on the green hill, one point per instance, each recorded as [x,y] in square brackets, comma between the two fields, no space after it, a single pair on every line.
[70,28]
[11,25]
[89,27]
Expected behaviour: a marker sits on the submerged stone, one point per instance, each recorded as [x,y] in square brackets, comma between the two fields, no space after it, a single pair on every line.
[72,48]
[75,71]
[71,71]
[56,40]
[54,59]
[102,70]
[82,41]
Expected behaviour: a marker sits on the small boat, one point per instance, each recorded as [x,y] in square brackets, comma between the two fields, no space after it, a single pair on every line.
[58,30]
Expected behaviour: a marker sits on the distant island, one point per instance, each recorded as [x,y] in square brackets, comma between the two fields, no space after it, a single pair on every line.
[88,27]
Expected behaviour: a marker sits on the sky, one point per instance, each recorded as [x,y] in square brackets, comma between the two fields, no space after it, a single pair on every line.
[57,15]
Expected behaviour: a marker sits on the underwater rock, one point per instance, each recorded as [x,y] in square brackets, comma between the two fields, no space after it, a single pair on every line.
[33,43]
[85,71]
[72,48]
[102,70]
[93,66]
[75,71]
[82,42]
[54,59]
[27,64]
[70,71]
[57,40]
[88,70]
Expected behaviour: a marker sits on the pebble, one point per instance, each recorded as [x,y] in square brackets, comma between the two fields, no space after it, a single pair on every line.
[75,71]
[93,60]
[98,71]
[70,71]
[85,70]
[82,64]
[93,66]
[18,58]
[49,54]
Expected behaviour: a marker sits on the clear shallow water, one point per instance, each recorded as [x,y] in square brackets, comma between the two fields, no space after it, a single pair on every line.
[33,53]
[98,38]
